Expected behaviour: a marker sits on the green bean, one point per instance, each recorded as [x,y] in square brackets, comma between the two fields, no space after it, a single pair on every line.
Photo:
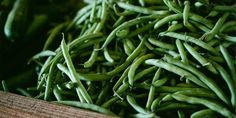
[180,114]
[126,25]
[107,55]
[40,95]
[135,65]
[85,77]
[119,21]
[144,72]
[143,29]
[23,92]
[171,106]
[229,62]
[209,104]
[4,86]
[170,52]
[17,20]
[200,58]
[73,78]
[172,6]
[87,106]
[102,94]
[175,70]
[90,29]
[225,8]
[210,83]
[37,24]
[200,19]
[208,113]
[49,81]
[82,18]
[79,14]
[92,59]
[103,17]
[152,89]
[198,92]
[167,19]
[53,35]
[181,50]
[200,26]
[122,89]
[160,82]
[209,35]
[70,84]
[215,58]
[45,53]
[109,102]
[140,115]
[186,12]
[227,25]
[141,9]
[122,33]
[190,39]
[161,44]
[130,44]
[122,77]
[156,102]
[134,104]
[228,38]
[125,13]
[129,59]
[92,15]
[228,81]
[175,27]
[126,49]
[57,93]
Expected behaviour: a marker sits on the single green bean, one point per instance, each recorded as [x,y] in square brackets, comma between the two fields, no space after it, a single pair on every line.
[89,63]
[229,61]
[181,50]
[4,86]
[134,104]
[175,27]
[161,44]
[107,56]
[204,113]
[71,68]
[167,19]
[229,81]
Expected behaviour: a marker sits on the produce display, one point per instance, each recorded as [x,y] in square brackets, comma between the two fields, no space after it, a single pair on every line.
[130,58]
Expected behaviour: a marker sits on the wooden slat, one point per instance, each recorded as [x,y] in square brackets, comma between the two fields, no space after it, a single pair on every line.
[16,106]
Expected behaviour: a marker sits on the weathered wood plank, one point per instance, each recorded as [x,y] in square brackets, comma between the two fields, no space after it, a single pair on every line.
[12,105]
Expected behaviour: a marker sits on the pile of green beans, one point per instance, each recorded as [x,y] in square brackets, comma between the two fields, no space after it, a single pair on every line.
[146,58]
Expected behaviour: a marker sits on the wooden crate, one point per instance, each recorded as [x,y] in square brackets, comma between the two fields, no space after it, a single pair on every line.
[16,106]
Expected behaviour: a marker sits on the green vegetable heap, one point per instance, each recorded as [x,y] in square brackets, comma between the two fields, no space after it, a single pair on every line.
[146,58]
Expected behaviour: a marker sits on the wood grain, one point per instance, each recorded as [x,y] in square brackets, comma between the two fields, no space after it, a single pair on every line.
[16,106]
